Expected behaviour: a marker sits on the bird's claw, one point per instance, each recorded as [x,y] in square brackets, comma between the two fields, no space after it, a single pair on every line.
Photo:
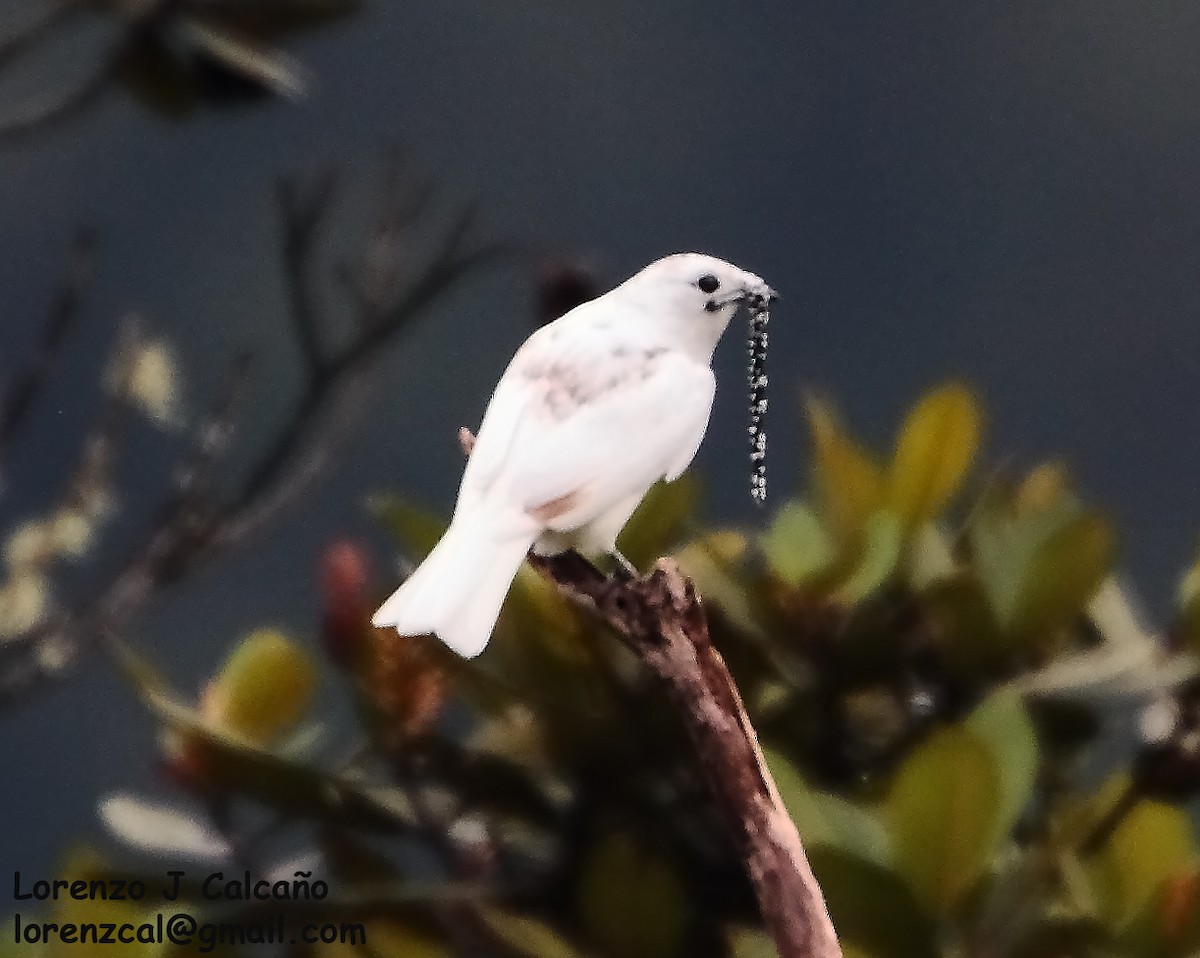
[624,566]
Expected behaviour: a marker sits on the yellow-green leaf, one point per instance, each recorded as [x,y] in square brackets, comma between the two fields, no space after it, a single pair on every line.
[1064,573]
[1188,598]
[930,557]
[796,545]
[240,767]
[883,545]
[1045,485]
[1003,725]
[1153,843]
[417,529]
[872,908]
[527,936]
[87,865]
[934,451]
[630,900]
[942,810]
[826,819]
[750,943]
[1004,545]
[264,689]
[660,520]
[848,480]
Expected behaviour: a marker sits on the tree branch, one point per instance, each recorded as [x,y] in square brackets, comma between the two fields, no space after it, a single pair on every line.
[36,116]
[304,214]
[661,620]
[194,523]
[42,27]
[64,313]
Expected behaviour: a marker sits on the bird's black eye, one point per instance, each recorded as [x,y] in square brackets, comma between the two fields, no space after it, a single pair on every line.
[708,283]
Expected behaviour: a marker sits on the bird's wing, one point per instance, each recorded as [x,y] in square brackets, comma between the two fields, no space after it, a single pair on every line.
[584,414]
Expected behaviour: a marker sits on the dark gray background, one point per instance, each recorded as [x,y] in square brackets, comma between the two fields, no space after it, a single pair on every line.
[1006,192]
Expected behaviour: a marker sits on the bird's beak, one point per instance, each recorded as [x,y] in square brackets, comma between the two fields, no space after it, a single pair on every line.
[758,296]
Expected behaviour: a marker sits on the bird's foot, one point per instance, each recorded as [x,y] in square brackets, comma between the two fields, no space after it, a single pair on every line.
[625,568]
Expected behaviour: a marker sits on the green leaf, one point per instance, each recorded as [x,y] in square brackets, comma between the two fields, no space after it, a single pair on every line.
[660,520]
[943,809]
[1188,599]
[1154,842]
[416,529]
[796,546]
[750,943]
[872,909]
[847,479]
[882,549]
[829,820]
[934,451]
[930,559]
[1003,725]
[1064,573]
[239,766]
[527,936]
[1004,544]
[1045,485]
[630,900]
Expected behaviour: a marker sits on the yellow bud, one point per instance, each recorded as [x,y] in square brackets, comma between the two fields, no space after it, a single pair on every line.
[264,689]
[1044,485]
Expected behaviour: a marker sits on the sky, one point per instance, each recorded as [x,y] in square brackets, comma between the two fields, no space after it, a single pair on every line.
[1000,192]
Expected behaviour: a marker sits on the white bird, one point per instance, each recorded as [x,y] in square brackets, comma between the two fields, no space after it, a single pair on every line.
[592,410]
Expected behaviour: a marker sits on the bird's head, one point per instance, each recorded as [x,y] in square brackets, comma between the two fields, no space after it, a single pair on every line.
[697,291]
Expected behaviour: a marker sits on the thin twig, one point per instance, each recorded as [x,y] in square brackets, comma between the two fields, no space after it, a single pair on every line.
[62,318]
[304,215]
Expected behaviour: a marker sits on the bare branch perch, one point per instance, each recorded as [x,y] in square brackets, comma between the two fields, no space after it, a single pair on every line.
[661,620]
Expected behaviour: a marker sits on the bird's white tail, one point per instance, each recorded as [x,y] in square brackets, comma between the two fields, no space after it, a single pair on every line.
[458,590]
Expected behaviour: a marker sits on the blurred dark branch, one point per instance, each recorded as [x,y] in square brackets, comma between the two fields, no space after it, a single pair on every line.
[339,381]
[303,214]
[195,522]
[660,619]
[45,654]
[21,41]
[1103,829]
[38,116]
[21,396]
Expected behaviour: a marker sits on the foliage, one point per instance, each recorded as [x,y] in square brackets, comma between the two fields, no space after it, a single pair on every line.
[929,671]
